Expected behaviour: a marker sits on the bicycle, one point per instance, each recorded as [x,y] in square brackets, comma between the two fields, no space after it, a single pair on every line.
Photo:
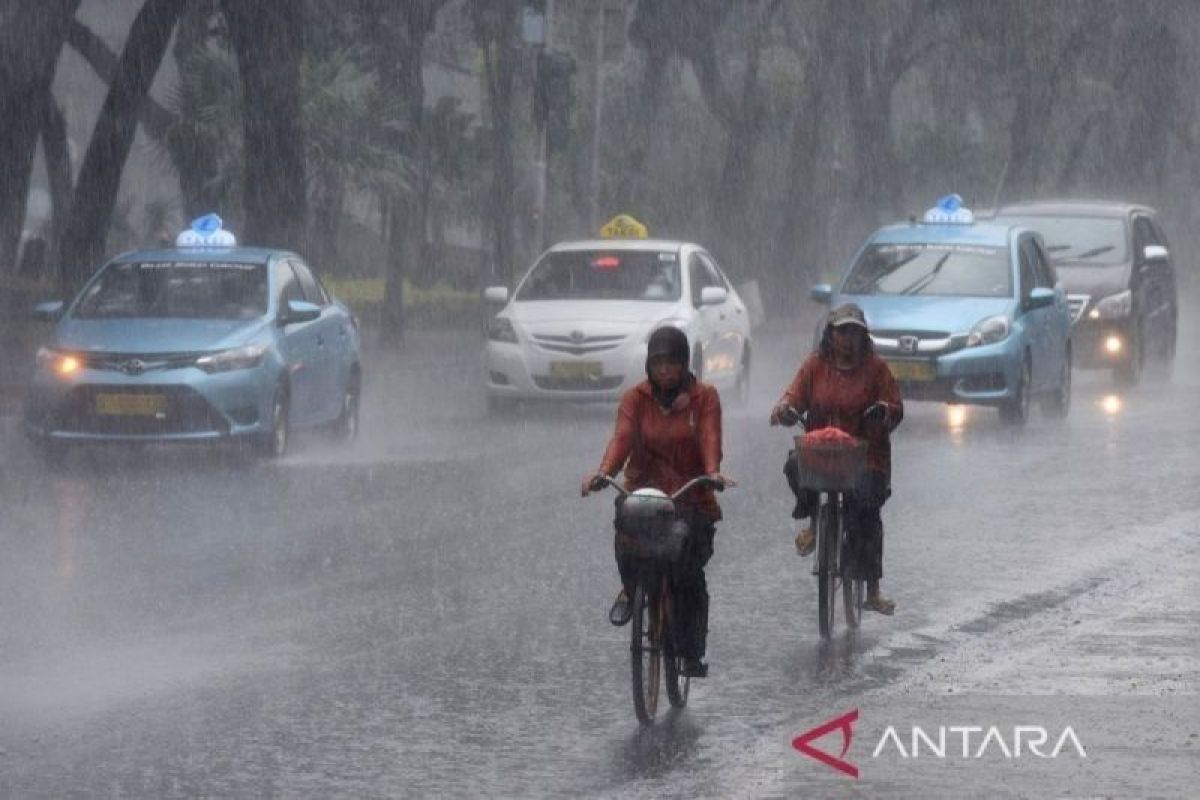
[657,536]
[832,469]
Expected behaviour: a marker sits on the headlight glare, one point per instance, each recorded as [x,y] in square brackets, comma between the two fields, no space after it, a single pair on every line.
[989,331]
[500,329]
[60,363]
[1115,306]
[246,357]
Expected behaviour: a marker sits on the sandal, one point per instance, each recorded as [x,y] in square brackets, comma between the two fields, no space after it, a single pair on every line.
[621,611]
[881,604]
[806,541]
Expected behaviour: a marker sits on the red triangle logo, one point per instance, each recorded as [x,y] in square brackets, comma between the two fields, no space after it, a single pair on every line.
[845,724]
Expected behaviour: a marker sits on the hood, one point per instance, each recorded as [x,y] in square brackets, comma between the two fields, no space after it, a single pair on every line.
[948,314]
[533,313]
[1097,281]
[154,335]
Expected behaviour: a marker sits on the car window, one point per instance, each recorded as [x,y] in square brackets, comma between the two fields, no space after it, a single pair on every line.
[1027,278]
[1079,241]
[313,291]
[952,270]
[702,276]
[176,289]
[715,275]
[1049,276]
[1041,276]
[650,275]
[287,286]
[1143,234]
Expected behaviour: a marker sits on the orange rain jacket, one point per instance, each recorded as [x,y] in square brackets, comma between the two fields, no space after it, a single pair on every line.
[666,448]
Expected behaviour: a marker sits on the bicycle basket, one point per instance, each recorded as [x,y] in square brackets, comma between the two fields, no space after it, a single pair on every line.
[827,463]
[647,527]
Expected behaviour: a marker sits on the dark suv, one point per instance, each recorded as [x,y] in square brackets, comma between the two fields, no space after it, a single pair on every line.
[1115,265]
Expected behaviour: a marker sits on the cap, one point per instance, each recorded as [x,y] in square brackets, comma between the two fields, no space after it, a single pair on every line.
[848,314]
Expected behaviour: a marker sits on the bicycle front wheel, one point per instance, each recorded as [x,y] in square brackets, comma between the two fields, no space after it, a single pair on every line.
[677,685]
[827,538]
[645,650]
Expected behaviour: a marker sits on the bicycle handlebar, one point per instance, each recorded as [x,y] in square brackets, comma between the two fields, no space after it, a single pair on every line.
[700,480]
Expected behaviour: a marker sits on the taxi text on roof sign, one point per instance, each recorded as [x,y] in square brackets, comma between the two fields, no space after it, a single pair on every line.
[206,231]
[949,211]
[623,226]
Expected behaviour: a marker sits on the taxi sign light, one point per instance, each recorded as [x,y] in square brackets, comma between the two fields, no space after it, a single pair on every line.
[623,226]
[206,231]
[607,263]
[949,210]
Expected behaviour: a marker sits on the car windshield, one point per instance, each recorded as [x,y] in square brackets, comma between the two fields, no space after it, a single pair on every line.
[954,270]
[176,289]
[651,275]
[1084,241]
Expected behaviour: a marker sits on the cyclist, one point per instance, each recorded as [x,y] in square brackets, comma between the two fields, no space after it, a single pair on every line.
[844,384]
[668,431]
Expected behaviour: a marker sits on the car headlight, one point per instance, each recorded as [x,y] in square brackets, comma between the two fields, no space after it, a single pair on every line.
[1115,306]
[989,331]
[500,329]
[246,357]
[58,363]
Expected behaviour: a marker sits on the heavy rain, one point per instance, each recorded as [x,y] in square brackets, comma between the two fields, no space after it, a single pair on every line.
[314,315]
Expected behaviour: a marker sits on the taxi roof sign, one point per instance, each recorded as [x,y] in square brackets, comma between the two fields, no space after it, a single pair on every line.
[623,226]
[949,210]
[206,231]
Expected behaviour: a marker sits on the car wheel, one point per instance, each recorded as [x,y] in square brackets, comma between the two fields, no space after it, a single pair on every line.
[1129,373]
[1058,403]
[346,427]
[500,406]
[274,443]
[741,392]
[698,363]
[1015,412]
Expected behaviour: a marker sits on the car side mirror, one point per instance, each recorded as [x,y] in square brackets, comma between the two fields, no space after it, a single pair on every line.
[496,294]
[299,311]
[49,311]
[1041,297]
[822,293]
[1155,252]
[713,295]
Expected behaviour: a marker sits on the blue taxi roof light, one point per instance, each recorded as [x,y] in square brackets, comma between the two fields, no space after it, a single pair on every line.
[206,231]
[949,210]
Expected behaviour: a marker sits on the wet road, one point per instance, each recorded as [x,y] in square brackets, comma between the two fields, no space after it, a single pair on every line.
[424,615]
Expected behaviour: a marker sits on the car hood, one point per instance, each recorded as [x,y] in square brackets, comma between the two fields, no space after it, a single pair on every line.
[534,313]
[154,335]
[1094,281]
[946,314]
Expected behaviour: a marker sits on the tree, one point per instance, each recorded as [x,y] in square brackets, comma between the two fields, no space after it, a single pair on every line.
[100,175]
[268,39]
[31,39]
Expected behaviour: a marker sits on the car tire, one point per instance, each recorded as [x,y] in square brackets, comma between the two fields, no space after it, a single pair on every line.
[274,443]
[698,363]
[1015,412]
[346,426]
[1057,404]
[500,406]
[741,389]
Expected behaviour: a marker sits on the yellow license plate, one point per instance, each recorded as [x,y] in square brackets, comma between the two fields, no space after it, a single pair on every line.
[912,370]
[131,405]
[575,370]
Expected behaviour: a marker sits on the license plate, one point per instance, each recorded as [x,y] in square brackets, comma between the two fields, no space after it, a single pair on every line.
[576,370]
[912,370]
[131,405]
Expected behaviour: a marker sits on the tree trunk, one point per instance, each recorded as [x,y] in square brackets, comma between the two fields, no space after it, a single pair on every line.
[112,138]
[268,38]
[58,173]
[30,41]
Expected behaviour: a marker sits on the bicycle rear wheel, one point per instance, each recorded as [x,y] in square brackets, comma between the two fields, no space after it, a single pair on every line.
[827,538]
[645,650]
[677,685]
[853,590]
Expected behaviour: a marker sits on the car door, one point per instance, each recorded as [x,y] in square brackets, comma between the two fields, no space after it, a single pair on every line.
[330,346]
[1033,320]
[1057,318]
[732,324]
[297,345]
[707,317]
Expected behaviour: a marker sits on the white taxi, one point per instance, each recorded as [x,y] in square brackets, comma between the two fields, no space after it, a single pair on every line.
[576,326]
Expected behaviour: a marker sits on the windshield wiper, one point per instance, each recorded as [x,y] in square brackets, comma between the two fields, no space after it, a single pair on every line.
[1095,251]
[920,283]
[1052,248]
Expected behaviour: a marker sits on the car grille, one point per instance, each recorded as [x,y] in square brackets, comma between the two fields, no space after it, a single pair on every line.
[137,363]
[187,412]
[1077,303]
[911,342]
[578,345]
[605,383]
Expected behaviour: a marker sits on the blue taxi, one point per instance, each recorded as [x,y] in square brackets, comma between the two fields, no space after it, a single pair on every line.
[201,342]
[964,312]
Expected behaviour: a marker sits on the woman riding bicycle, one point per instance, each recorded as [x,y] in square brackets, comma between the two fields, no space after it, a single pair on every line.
[845,385]
[669,431]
